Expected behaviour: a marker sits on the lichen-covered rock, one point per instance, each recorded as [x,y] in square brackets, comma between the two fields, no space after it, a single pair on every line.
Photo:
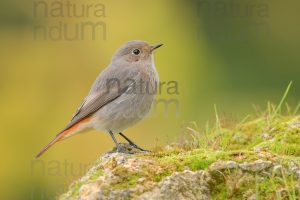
[221,165]
[125,177]
[295,169]
[256,166]
[245,165]
[117,176]
[181,186]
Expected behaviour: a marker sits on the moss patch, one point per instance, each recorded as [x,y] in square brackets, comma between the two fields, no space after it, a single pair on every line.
[271,138]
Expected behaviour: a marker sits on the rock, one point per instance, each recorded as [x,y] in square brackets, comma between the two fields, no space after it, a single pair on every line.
[277,170]
[252,197]
[161,176]
[221,165]
[265,135]
[87,192]
[140,180]
[294,168]
[181,186]
[120,169]
[249,194]
[295,124]
[256,166]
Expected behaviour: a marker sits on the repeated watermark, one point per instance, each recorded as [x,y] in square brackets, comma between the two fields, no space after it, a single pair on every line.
[57,168]
[142,94]
[69,20]
[140,86]
[54,168]
[233,9]
[233,19]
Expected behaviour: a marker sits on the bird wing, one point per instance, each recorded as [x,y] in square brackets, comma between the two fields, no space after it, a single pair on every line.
[94,104]
[100,95]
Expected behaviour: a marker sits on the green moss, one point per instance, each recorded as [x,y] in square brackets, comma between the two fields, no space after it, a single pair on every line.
[234,185]
[269,138]
[95,175]
[199,159]
[128,182]
[126,179]
[286,144]
[75,188]
[218,185]
[105,190]
[239,145]
[158,177]
[270,187]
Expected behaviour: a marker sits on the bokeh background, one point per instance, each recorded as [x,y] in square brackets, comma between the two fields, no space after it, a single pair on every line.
[234,54]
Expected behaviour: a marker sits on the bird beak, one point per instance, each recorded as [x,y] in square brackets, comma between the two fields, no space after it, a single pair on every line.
[153,47]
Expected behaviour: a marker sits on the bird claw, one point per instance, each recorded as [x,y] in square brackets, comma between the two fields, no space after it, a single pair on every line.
[123,149]
[137,147]
[128,148]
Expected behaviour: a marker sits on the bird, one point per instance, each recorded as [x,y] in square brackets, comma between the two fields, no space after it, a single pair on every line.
[121,95]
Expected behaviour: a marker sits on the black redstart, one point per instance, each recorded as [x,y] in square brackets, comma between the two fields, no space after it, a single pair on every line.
[121,95]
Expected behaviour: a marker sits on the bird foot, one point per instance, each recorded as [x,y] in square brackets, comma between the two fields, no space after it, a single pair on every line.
[128,148]
[137,147]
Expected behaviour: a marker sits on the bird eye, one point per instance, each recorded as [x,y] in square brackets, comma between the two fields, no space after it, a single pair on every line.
[136,51]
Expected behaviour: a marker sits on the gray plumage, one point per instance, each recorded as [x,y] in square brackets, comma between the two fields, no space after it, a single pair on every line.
[121,95]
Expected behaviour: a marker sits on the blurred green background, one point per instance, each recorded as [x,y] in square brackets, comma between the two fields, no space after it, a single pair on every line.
[234,54]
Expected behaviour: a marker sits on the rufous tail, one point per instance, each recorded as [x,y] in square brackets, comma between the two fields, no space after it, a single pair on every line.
[45,148]
[61,136]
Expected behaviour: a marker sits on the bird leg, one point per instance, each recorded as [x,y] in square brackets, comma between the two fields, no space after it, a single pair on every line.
[119,146]
[132,143]
[115,140]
